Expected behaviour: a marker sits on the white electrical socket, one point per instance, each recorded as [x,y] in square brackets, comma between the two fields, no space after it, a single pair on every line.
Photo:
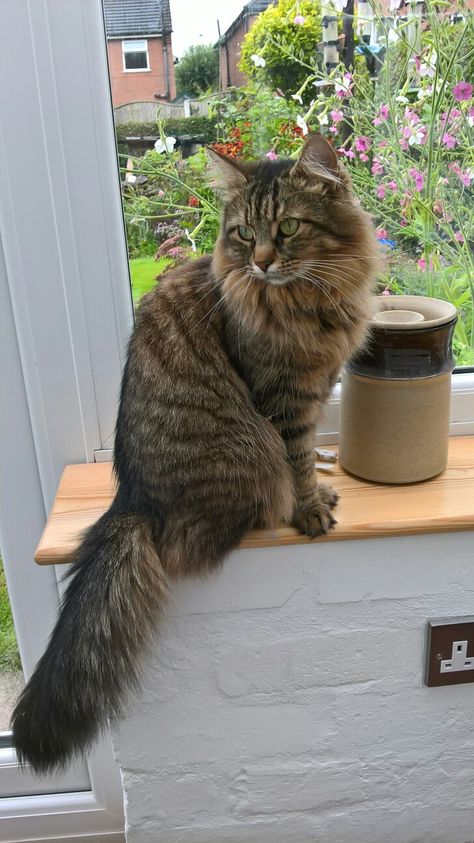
[459,659]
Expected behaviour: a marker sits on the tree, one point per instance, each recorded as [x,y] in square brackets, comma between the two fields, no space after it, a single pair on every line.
[197,70]
[286,25]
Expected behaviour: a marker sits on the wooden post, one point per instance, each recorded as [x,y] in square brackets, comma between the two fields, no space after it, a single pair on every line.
[348,29]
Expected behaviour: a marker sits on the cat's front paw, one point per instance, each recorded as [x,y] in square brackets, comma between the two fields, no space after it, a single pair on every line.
[317,519]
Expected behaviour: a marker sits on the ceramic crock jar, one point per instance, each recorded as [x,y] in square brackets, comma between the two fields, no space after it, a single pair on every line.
[395,396]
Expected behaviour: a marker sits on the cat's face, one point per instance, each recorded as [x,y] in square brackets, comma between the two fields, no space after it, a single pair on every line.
[294,223]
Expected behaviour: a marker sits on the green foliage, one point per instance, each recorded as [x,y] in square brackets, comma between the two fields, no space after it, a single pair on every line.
[271,36]
[9,656]
[144,272]
[258,115]
[198,70]
[175,203]
[203,128]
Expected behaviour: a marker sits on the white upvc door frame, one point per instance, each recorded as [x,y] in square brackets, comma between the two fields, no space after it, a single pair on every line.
[65,317]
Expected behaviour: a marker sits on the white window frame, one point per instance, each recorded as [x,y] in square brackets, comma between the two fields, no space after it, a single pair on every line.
[128,48]
[65,316]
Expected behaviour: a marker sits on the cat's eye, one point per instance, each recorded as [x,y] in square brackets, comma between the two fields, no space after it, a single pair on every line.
[245,232]
[289,226]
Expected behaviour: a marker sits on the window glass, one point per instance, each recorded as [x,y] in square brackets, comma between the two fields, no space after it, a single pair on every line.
[135,55]
[392,92]
[11,675]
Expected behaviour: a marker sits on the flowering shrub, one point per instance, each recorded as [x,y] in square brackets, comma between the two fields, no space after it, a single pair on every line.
[411,156]
[264,49]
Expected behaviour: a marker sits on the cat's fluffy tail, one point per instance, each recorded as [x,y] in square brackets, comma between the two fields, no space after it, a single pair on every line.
[111,606]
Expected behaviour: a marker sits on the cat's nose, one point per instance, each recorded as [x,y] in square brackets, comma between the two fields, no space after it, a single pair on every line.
[263,265]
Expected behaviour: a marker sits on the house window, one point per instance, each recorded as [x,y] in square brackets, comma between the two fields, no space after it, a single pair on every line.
[135,55]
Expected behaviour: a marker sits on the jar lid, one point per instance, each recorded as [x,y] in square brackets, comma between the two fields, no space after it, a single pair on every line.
[409,337]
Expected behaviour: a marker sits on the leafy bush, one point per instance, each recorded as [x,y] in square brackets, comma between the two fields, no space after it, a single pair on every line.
[198,70]
[175,194]
[274,31]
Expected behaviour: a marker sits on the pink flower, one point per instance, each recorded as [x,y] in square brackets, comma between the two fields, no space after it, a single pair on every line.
[382,115]
[299,20]
[465,176]
[459,236]
[392,185]
[347,152]
[449,140]
[377,168]
[463,91]
[336,116]
[362,144]
[386,292]
[271,155]
[417,64]
[380,192]
[344,87]
[381,234]
[333,129]
[417,178]
[421,264]
[363,157]
[411,115]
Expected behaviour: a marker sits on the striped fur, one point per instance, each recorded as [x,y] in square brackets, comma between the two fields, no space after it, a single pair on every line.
[227,372]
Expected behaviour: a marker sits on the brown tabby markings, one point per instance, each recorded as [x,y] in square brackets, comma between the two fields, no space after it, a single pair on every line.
[230,362]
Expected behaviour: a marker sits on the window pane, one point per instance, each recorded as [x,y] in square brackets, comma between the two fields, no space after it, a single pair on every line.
[136,61]
[134,46]
[11,675]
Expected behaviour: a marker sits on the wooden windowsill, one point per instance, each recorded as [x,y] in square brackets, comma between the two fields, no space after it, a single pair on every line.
[366,510]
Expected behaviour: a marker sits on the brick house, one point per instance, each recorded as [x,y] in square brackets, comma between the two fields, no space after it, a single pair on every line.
[229,45]
[140,52]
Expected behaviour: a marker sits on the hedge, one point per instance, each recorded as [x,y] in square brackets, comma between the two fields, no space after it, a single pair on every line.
[202,127]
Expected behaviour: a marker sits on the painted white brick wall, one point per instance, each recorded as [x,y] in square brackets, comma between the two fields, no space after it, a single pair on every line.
[283,702]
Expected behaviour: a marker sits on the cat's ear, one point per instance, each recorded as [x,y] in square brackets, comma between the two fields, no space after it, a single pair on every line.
[227,172]
[318,160]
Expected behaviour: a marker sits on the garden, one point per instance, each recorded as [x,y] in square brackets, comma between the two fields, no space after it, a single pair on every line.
[399,110]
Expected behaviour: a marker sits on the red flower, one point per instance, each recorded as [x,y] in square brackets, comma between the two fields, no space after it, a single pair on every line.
[193,201]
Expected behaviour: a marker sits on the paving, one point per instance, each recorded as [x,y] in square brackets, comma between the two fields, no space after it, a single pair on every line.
[10,686]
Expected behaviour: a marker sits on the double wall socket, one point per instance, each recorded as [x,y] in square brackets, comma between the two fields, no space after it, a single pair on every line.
[450,651]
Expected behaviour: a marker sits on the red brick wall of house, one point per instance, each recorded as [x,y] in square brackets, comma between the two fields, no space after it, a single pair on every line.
[141,86]
[234,44]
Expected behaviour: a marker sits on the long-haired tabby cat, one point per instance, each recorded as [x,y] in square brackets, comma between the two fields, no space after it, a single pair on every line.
[229,364]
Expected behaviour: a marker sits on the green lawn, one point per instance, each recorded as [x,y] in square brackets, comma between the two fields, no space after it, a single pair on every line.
[143,272]
[9,657]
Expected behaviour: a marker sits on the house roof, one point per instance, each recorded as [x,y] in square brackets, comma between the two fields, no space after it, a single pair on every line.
[252,8]
[137,17]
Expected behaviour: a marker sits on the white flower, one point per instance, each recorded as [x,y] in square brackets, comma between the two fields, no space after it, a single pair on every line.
[426,70]
[258,60]
[193,242]
[302,124]
[323,119]
[166,145]
[416,138]
[298,98]
[320,83]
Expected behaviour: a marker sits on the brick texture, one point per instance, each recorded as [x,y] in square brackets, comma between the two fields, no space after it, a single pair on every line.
[283,701]
[141,86]
[229,57]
